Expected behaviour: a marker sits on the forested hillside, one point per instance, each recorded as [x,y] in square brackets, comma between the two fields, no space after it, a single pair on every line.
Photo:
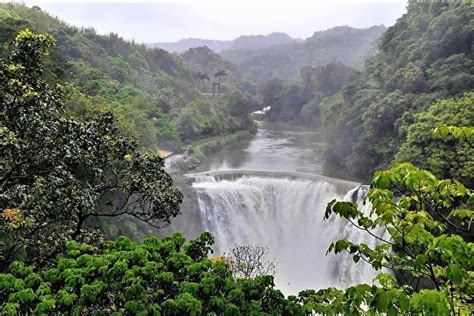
[426,56]
[153,95]
[375,116]
[147,89]
[277,55]
[206,64]
[344,44]
[300,101]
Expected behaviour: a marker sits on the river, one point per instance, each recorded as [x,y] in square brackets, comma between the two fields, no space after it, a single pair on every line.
[276,146]
[273,191]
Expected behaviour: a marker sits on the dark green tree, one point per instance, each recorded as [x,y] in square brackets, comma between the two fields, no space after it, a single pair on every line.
[426,248]
[201,77]
[220,73]
[158,277]
[444,156]
[56,173]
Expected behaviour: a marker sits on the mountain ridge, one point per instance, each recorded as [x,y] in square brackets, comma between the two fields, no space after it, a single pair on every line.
[345,44]
[242,42]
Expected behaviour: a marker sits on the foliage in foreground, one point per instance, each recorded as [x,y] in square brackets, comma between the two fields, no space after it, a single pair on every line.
[156,277]
[430,255]
[426,244]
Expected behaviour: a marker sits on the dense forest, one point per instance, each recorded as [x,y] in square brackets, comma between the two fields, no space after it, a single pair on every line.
[82,116]
[154,96]
[426,56]
[150,91]
[385,112]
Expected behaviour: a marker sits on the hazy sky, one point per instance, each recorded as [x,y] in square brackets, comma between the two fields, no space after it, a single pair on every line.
[167,20]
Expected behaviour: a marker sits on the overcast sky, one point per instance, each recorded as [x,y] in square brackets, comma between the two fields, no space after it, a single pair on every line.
[168,20]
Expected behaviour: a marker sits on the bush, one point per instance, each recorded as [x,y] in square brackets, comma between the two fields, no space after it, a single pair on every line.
[158,276]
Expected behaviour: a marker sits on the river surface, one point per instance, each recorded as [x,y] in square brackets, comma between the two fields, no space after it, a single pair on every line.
[275,147]
[269,191]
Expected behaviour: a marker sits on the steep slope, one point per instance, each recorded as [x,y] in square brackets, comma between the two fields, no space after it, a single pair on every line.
[154,94]
[143,86]
[345,44]
[426,56]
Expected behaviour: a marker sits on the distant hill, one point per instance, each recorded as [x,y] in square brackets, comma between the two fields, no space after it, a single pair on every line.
[185,44]
[261,41]
[344,44]
[205,61]
[277,55]
[242,42]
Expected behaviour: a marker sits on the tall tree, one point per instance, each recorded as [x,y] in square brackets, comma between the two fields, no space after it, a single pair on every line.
[57,173]
[221,73]
[201,77]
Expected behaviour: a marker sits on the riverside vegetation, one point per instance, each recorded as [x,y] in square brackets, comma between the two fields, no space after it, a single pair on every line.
[151,92]
[63,170]
[376,116]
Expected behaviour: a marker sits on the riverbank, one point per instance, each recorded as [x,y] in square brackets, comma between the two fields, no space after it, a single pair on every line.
[198,152]
[203,149]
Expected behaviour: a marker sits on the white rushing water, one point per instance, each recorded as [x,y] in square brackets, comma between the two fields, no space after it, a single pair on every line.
[273,190]
[285,214]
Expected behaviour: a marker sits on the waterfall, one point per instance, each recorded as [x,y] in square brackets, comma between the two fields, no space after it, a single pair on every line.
[286,213]
[346,271]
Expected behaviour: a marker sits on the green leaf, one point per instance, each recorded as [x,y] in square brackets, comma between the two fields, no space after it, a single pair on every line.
[454,273]
[382,302]
[356,258]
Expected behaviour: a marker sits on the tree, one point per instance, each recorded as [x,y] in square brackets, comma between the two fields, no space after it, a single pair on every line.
[200,77]
[427,245]
[221,73]
[250,261]
[326,80]
[58,174]
[158,277]
[444,156]
[238,104]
